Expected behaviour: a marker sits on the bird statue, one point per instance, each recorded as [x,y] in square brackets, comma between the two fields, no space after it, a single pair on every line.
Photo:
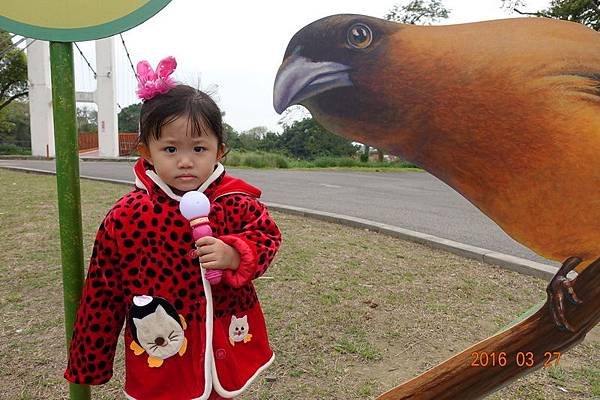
[506,112]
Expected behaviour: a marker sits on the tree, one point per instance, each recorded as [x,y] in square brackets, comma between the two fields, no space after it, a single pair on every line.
[14,124]
[129,118]
[13,71]
[257,132]
[231,137]
[421,12]
[513,4]
[307,139]
[87,119]
[293,113]
[586,12]
[364,155]
[247,141]
[251,139]
[270,142]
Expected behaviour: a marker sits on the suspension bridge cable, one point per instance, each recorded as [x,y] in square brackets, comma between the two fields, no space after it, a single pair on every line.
[10,56]
[9,39]
[29,44]
[128,57]
[86,60]
[12,47]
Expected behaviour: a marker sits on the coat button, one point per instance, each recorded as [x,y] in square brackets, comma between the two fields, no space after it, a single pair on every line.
[220,354]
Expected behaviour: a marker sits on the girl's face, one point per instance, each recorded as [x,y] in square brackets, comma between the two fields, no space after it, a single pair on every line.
[183,161]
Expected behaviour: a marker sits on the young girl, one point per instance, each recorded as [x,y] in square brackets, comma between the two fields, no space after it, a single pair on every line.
[144,268]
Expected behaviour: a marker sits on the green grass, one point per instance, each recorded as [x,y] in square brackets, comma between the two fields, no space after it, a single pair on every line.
[11,149]
[350,313]
[357,346]
[254,159]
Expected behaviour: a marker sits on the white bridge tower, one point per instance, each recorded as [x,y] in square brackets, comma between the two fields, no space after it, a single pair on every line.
[40,99]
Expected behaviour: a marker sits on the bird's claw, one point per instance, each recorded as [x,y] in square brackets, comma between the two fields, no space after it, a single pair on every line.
[560,287]
[572,296]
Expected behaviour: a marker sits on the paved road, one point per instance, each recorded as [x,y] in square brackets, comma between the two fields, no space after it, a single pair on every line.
[411,200]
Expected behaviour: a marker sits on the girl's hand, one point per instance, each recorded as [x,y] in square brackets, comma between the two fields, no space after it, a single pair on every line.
[215,254]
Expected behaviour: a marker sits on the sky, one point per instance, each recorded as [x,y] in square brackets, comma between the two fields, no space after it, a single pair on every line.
[234,48]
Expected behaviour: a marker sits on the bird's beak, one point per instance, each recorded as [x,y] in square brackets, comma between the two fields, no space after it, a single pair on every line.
[299,78]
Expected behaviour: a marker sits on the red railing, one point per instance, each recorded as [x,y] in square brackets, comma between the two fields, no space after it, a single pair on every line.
[127,142]
[88,140]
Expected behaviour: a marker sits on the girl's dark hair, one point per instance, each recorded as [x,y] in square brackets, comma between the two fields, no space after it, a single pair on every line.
[201,110]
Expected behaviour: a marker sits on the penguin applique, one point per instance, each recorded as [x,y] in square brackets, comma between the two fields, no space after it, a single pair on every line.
[156,329]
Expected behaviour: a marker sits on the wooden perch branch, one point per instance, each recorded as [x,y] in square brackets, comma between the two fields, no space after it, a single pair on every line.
[455,378]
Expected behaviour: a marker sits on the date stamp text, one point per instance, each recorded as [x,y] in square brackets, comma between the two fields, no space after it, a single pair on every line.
[521,359]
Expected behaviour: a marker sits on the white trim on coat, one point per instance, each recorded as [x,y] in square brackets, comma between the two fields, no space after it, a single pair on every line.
[167,190]
[227,394]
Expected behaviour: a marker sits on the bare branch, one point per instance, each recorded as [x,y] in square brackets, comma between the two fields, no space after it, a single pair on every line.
[416,18]
[537,14]
[10,99]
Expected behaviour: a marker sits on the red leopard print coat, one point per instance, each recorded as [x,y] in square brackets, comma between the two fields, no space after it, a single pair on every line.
[142,251]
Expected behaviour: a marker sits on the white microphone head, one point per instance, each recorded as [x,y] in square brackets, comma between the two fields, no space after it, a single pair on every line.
[194,204]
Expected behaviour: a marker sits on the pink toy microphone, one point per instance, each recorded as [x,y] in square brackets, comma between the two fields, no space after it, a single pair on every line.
[195,207]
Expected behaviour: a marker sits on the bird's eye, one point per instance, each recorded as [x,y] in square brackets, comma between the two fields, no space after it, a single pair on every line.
[359,36]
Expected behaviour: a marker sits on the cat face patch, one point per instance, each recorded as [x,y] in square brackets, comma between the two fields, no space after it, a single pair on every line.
[239,330]
[156,329]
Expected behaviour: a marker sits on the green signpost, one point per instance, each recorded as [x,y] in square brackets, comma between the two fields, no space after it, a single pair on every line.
[62,23]
[69,198]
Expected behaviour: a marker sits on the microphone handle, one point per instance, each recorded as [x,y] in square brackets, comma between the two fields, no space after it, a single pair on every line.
[198,231]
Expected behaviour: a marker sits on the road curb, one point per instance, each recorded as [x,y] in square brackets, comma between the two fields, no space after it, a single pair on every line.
[82,157]
[505,261]
[501,260]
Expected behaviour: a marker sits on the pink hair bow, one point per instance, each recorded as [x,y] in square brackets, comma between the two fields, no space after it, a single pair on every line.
[151,83]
